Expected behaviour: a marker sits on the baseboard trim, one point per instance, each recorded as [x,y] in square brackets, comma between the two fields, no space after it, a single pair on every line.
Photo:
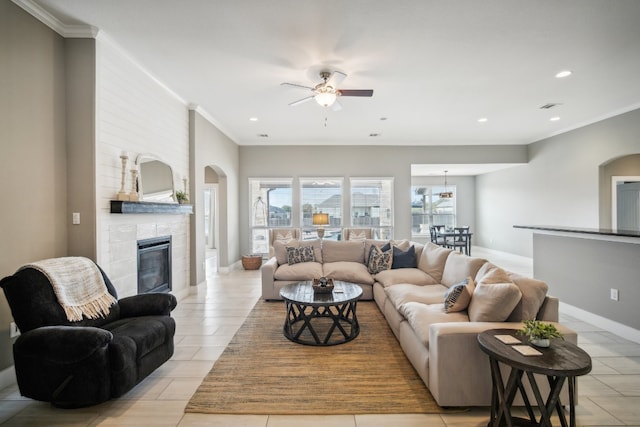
[609,325]
[7,377]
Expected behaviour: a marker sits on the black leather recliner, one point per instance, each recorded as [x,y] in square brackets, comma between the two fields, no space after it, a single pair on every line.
[75,364]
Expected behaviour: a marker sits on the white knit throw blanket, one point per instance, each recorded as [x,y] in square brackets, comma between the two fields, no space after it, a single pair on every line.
[78,285]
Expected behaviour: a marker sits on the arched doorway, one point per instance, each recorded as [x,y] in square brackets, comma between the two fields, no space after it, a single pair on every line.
[211,224]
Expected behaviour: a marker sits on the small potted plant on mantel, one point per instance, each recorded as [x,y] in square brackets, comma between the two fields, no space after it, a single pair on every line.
[539,333]
[182,197]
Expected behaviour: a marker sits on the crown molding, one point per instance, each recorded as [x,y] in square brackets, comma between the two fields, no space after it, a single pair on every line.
[66,31]
[208,117]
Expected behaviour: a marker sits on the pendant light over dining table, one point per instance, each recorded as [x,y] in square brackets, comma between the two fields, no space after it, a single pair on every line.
[446,194]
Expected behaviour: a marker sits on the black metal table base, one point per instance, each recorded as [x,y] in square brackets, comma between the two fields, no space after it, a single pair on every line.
[503,395]
[302,323]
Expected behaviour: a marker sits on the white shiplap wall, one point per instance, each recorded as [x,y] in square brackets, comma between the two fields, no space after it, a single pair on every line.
[135,113]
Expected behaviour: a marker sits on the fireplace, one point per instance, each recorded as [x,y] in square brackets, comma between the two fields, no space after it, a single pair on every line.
[154,265]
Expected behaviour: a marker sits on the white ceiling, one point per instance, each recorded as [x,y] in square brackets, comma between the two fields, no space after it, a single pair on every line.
[436,67]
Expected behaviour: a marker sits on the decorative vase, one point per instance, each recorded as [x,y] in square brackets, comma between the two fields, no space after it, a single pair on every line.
[540,342]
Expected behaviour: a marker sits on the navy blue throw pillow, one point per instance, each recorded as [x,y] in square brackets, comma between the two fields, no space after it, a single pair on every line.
[402,259]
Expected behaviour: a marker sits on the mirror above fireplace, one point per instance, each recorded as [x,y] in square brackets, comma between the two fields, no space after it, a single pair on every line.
[155,180]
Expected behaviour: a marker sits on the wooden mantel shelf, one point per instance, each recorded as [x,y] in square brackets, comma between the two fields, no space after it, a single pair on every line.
[125,207]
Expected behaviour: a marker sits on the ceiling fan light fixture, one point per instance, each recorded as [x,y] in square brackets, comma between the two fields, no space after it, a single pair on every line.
[325,97]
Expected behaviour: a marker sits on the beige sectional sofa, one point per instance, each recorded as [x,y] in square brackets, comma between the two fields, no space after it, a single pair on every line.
[435,308]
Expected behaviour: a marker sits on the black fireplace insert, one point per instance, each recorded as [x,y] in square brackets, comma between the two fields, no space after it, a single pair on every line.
[154,265]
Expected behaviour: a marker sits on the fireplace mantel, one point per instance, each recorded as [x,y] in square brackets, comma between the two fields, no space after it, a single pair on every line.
[126,207]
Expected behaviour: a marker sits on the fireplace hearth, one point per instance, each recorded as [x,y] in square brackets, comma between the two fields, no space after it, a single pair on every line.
[154,265]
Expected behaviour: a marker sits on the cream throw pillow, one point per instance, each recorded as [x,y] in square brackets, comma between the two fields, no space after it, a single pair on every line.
[493,303]
[358,236]
[281,236]
[458,297]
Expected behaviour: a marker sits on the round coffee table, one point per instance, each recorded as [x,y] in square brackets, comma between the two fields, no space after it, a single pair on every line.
[560,362]
[321,318]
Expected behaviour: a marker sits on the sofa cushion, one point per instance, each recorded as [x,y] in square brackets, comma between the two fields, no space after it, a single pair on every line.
[299,254]
[301,271]
[372,242]
[433,259]
[403,244]
[280,249]
[333,251]
[348,271]
[378,260]
[493,303]
[419,248]
[405,292]
[402,258]
[404,275]
[422,316]
[533,295]
[147,333]
[490,273]
[458,296]
[458,267]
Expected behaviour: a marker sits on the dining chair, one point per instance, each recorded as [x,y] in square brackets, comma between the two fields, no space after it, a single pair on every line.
[434,230]
[461,239]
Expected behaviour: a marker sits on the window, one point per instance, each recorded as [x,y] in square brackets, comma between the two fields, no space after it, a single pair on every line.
[372,205]
[270,207]
[428,208]
[321,195]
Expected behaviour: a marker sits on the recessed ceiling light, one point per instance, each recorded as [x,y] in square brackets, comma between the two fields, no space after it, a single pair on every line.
[253,119]
[554,119]
[563,73]
[483,120]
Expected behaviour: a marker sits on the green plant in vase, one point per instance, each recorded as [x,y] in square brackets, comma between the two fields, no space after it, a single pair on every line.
[539,333]
[182,197]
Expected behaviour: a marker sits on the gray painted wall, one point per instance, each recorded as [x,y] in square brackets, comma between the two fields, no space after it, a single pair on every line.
[582,271]
[359,161]
[33,154]
[559,186]
[208,147]
[80,76]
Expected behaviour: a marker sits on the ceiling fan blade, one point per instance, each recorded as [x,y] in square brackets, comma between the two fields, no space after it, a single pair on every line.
[336,78]
[356,92]
[296,85]
[336,106]
[300,101]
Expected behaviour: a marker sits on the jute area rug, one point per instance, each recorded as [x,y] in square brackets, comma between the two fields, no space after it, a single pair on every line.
[262,372]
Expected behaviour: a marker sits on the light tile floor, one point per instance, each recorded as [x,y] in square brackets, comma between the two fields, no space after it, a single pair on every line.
[209,317]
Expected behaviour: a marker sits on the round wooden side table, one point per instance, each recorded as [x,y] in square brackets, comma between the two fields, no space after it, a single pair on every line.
[560,362]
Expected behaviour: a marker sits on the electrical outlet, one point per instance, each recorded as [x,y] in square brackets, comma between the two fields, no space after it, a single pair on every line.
[14,330]
[614,294]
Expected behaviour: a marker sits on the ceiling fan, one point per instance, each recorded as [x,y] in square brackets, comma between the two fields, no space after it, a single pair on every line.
[326,93]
